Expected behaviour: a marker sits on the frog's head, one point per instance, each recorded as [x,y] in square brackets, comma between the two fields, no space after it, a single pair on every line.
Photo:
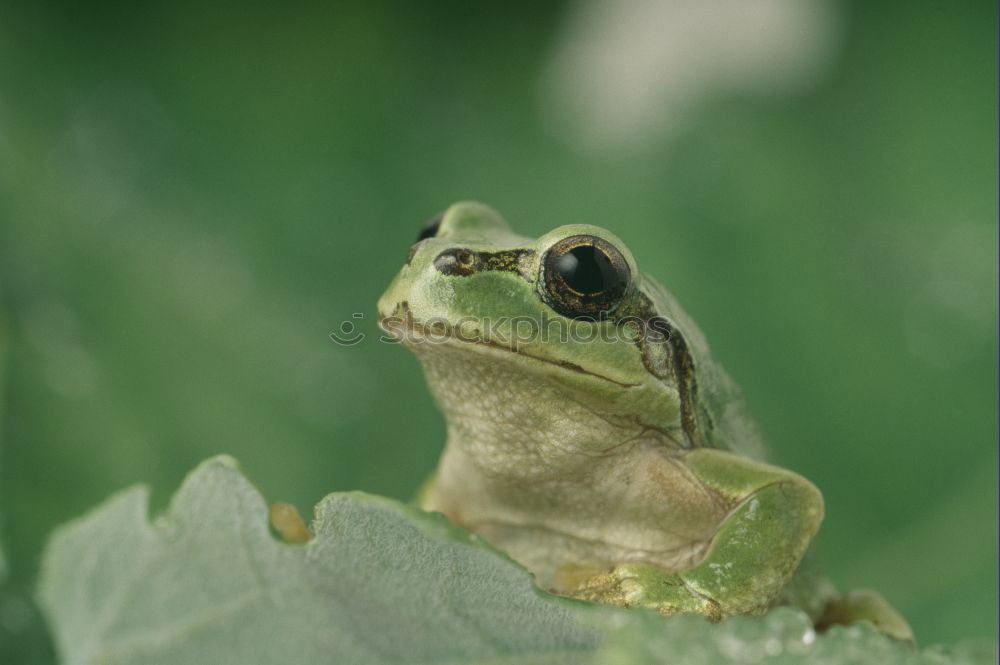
[569,309]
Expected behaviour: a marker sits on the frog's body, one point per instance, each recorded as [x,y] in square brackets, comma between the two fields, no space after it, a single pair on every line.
[610,456]
[589,496]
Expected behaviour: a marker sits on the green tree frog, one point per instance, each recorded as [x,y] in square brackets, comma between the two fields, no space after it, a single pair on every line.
[590,434]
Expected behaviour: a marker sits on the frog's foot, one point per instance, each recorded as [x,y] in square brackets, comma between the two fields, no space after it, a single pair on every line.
[866,605]
[646,585]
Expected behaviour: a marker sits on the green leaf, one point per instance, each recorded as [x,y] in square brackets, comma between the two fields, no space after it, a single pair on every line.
[380,582]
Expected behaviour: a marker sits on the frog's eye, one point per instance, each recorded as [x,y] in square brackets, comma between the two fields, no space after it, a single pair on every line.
[585,277]
[430,228]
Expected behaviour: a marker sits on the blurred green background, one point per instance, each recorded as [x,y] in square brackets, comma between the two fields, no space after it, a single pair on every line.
[193,198]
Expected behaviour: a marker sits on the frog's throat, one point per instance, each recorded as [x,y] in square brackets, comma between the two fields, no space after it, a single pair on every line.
[412,333]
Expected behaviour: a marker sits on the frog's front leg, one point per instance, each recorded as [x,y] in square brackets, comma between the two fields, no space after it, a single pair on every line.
[751,556]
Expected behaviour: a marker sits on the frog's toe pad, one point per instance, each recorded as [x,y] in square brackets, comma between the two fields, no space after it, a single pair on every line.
[645,585]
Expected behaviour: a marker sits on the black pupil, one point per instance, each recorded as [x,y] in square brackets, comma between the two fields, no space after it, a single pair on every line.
[430,228]
[587,270]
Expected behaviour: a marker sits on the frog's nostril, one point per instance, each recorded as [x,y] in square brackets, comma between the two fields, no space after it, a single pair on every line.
[458,261]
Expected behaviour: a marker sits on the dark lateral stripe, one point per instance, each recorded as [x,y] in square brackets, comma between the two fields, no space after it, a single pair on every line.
[678,361]
[464,262]
[687,387]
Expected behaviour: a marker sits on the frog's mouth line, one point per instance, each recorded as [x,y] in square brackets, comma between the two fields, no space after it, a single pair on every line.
[397,327]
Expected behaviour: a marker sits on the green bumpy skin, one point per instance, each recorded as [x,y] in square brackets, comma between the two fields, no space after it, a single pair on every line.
[611,456]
